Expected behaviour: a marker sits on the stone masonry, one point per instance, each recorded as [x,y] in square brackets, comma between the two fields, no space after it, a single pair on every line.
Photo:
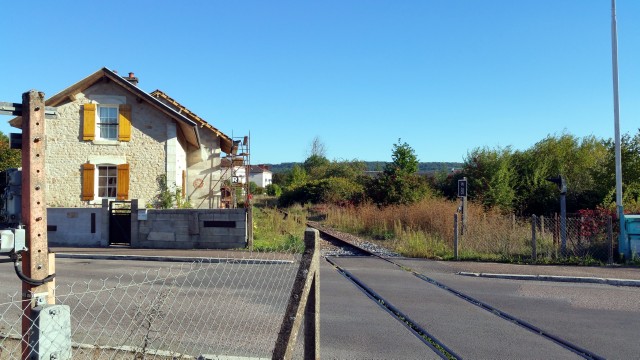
[156,148]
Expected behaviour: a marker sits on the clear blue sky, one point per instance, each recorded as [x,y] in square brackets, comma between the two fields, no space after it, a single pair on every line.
[445,76]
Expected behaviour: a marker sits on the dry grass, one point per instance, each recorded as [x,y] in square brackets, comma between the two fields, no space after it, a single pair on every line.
[425,229]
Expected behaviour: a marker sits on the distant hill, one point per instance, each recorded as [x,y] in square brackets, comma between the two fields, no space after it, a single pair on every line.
[423,167]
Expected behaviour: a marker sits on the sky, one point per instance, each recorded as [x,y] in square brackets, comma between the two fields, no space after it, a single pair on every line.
[443,76]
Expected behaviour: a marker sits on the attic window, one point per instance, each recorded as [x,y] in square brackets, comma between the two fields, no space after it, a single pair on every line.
[107,124]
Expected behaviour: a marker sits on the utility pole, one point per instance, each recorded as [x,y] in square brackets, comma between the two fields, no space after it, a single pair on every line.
[35,262]
[46,327]
[622,238]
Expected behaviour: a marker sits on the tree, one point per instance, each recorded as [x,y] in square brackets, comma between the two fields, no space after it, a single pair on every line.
[491,177]
[579,161]
[317,148]
[9,158]
[404,159]
[297,177]
[316,166]
[273,190]
[255,189]
[399,183]
[630,151]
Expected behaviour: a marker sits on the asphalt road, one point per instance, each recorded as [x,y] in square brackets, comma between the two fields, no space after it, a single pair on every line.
[235,309]
[602,318]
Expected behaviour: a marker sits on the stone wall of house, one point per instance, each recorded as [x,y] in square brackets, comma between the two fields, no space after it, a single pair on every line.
[66,151]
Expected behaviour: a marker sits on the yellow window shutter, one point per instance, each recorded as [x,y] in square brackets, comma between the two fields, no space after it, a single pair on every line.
[88,176]
[89,122]
[124,123]
[122,186]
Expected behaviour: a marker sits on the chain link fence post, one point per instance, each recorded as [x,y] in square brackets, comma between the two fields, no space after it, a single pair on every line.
[534,255]
[455,236]
[610,239]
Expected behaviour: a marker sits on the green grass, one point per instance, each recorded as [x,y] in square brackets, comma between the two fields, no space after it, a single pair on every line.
[273,232]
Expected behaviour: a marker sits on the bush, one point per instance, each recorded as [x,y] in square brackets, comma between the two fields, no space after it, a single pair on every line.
[273,190]
[332,190]
[255,189]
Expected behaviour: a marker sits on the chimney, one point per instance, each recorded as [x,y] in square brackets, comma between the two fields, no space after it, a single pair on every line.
[132,79]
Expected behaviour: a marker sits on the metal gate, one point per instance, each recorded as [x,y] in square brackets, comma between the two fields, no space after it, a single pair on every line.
[120,223]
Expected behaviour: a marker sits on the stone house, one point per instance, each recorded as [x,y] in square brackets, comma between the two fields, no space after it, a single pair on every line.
[112,140]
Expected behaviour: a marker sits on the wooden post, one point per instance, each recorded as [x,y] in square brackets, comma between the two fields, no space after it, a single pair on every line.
[35,262]
[306,288]
[312,318]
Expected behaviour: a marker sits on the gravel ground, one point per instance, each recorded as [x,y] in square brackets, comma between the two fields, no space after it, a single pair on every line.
[330,248]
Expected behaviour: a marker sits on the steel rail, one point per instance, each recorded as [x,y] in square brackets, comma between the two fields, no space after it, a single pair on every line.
[413,326]
[530,327]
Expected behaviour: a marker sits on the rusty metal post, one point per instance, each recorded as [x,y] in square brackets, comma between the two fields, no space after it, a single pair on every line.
[534,253]
[610,239]
[455,236]
[35,262]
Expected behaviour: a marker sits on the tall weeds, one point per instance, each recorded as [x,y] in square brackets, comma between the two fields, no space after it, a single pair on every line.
[425,229]
[273,231]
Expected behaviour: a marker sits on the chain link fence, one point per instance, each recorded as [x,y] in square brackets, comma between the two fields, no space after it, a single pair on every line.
[213,308]
[537,238]
[581,237]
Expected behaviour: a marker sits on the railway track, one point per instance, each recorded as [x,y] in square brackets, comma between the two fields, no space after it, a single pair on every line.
[336,249]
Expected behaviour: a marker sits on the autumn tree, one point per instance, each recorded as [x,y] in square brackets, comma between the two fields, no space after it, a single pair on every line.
[9,158]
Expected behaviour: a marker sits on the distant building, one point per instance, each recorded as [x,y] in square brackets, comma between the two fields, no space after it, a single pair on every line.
[261,175]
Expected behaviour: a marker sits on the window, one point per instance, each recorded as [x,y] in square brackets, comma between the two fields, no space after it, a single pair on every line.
[107,122]
[107,181]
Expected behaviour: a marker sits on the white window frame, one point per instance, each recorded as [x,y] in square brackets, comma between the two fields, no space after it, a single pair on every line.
[115,122]
[104,160]
[109,101]
[97,182]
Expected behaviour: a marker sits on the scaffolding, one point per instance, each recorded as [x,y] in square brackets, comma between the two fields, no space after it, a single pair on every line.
[236,171]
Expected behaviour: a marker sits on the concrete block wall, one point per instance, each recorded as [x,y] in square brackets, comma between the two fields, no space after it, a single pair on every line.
[76,227]
[190,229]
[162,229]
